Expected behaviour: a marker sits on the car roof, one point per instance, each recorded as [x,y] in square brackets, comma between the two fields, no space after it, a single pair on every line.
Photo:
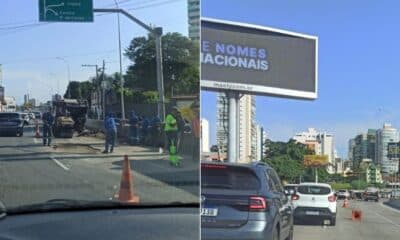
[314,184]
[291,184]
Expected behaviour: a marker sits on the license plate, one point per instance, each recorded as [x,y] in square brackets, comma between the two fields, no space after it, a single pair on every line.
[314,213]
[209,212]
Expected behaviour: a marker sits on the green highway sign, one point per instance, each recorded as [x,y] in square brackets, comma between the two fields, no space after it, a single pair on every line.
[66,10]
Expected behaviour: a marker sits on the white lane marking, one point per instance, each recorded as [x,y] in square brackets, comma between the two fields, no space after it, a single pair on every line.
[60,164]
[387,219]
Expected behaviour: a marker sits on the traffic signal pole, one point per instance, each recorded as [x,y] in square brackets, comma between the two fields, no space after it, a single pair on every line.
[157,32]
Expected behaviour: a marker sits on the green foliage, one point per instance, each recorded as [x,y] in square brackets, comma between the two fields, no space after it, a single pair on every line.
[73,90]
[359,184]
[286,158]
[337,186]
[180,64]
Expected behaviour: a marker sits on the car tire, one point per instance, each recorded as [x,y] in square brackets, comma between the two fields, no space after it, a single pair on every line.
[275,234]
[333,221]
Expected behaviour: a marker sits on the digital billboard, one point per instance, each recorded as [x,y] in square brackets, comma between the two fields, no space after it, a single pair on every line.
[258,60]
[315,160]
[393,150]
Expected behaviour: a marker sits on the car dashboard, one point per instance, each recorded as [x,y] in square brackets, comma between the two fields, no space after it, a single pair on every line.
[116,224]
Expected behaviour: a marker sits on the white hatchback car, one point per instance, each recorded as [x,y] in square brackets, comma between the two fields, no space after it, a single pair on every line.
[315,202]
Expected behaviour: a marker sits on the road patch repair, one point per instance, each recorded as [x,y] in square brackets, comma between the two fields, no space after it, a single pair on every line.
[75,148]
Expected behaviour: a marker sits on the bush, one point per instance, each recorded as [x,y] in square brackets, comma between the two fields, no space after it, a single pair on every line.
[337,186]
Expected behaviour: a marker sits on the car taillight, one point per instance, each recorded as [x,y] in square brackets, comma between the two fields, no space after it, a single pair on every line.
[332,198]
[257,204]
[295,197]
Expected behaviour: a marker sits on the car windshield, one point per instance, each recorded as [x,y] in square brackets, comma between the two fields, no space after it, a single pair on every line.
[314,190]
[228,177]
[103,111]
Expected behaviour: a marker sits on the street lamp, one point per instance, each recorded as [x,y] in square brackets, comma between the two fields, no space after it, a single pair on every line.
[120,67]
[69,74]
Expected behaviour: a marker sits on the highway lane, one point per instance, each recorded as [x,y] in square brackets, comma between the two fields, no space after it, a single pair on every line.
[31,173]
[378,222]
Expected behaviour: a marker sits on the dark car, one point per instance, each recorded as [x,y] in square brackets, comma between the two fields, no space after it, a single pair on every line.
[371,194]
[11,123]
[244,201]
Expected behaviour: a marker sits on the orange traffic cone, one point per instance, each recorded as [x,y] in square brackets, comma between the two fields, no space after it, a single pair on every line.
[356,215]
[126,192]
[37,134]
[345,203]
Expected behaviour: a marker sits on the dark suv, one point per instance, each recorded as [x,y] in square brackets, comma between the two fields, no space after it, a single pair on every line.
[11,123]
[244,201]
[371,194]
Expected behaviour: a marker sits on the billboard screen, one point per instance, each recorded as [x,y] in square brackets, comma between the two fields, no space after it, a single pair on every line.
[257,60]
[393,150]
[315,160]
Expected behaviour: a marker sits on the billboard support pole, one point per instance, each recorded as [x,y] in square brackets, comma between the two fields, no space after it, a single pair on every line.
[232,126]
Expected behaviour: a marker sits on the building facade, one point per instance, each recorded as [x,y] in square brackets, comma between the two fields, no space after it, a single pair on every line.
[205,135]
[247,140]
[194,19]
[261,137]
[321,142]
[384,136]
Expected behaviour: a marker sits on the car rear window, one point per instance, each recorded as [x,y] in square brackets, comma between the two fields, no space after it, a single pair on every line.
[228,177]
[315,190]
[8,115]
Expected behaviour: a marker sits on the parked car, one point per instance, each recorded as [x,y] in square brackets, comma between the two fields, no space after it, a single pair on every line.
[395,194]
[38,115]
[11,123]
[371,194]
[315,202]
[244,201]
[342,194]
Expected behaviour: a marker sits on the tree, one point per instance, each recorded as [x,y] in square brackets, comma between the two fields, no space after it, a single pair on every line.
[73,90]
[180,64]
[286,158]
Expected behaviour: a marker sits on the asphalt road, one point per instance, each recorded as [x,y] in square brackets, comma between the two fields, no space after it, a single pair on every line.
[32,173]
[378,222]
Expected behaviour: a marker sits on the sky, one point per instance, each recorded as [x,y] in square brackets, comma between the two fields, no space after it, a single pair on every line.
[358,73]
[29,48]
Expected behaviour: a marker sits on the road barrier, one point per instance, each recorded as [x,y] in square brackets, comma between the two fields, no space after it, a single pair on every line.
[356,215]
[126,192]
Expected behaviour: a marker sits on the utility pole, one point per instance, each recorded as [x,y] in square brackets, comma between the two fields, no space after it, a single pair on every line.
[69,75]
[103,86]
[120,67]
[157,33]
[96,93]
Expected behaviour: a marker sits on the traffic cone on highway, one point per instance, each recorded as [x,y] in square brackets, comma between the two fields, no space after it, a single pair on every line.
[346,203]
[37,134]
[356,215]
[126,192]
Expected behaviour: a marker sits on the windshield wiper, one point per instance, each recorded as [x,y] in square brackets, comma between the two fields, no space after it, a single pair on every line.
[81,205]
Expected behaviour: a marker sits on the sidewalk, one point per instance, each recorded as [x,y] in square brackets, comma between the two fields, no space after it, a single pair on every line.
[121,149]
